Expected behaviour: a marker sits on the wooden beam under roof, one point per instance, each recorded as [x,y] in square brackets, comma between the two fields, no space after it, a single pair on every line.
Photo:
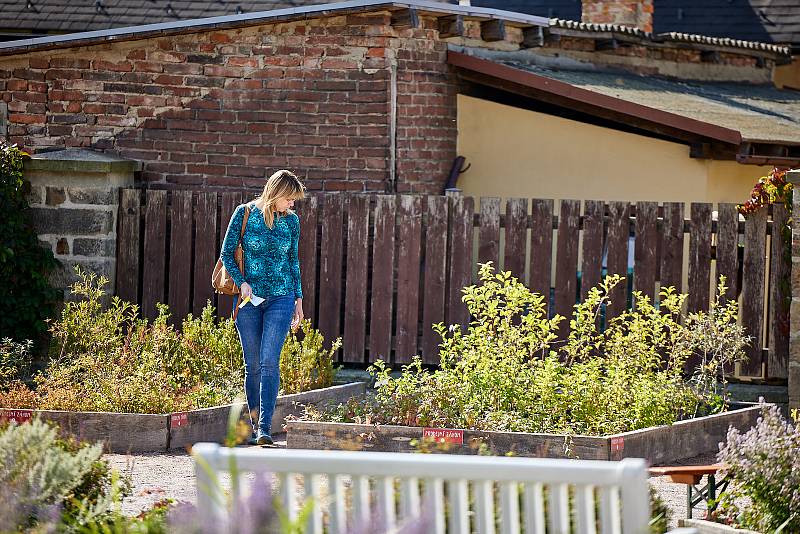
[493,30]
[533,37]
[405,18]
[451,26]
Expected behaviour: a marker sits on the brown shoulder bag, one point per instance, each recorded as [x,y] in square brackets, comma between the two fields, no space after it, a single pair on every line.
[221,280]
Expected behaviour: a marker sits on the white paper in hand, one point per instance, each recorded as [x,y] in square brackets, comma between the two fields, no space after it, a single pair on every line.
[255,300]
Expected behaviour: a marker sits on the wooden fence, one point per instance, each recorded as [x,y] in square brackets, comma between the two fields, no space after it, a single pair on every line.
[379,270]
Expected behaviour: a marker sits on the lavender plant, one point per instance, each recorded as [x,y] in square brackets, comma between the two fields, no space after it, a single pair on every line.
[763,466]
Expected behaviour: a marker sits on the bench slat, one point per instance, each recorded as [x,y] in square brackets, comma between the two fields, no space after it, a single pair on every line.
[386,502]
[459,518]
[534,508]
[609,510]
[484,506]
[361,500]
[509,505]
[312,490]
[434,503]
[584,509]
[558,501]
[338,508]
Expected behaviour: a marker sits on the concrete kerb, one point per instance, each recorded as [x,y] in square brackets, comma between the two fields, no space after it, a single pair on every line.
[658,445]
[135,433]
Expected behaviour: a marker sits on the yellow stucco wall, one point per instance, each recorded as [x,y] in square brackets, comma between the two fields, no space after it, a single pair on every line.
[787,76]
[521,153]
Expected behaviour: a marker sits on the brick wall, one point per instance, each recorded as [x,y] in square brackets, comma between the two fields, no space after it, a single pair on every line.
[224,109]
[634,13]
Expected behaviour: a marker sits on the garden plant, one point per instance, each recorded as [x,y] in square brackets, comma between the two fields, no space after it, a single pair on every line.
[763,467]
[108,358]
[27,299]
[508,372]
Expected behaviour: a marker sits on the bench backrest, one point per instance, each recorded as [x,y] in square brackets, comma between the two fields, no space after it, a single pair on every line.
[459,494]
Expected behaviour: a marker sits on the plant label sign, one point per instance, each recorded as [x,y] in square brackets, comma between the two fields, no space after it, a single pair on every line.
[179,419]
[617,444]
[18,416]
[444,435]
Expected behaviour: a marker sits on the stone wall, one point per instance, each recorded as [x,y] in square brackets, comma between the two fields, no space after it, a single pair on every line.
[74,199]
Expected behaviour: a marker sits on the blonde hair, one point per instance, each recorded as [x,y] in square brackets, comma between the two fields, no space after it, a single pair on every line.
[282,184]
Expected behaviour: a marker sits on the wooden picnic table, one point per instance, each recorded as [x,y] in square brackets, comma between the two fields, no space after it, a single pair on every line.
[692,475]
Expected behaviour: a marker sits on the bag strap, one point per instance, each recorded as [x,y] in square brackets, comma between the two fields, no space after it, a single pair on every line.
[244,221]
[241,235]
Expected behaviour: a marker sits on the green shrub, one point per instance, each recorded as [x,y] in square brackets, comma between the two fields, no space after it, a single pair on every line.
[305,364]
[15,362]
[507,372]
[26,298]
[111,359]
[763,467]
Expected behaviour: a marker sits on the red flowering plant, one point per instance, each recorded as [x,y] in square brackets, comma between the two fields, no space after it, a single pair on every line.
[769,189]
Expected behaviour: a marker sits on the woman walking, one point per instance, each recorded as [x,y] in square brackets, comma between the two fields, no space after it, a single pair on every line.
[271,282]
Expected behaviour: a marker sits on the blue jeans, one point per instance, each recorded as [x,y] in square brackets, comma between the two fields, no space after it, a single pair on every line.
[262,332]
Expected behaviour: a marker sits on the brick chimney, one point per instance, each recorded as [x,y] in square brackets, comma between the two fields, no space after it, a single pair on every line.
[634,13]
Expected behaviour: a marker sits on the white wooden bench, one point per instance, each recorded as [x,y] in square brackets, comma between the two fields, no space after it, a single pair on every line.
[481,494]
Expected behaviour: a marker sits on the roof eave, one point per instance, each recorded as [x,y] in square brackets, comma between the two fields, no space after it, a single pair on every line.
[595,101]
[264,17]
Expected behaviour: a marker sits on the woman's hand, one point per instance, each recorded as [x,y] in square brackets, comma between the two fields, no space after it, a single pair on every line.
[245,291]
[298,314]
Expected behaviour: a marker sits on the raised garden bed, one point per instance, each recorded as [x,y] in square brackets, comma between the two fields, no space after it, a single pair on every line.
[707,527]
[658,445]
[125,432]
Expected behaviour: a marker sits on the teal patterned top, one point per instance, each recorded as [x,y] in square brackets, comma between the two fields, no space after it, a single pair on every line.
[271,266]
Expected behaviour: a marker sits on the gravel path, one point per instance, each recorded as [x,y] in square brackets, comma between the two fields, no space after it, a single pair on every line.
[157,476]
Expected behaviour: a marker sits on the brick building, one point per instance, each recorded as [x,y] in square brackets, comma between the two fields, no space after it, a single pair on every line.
[355,96]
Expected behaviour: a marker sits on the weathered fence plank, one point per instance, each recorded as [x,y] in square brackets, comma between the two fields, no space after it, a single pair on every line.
[180,255]
[541,248]
[355,300]
[728,248]
[330,269]
[388,306]
[127,278]
[434,285]
[205,246]
[567,262]
[155,226]
[460,236]
[408,276]
[516,236]
[617,262]
[644,254]
[307,210]
[380,325]
[699,257]
[755,228]
[780,294]
[489,232]
[592,261]
[672,246]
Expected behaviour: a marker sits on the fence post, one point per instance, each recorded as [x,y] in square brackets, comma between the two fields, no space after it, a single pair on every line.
[794,310]
[210,500]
